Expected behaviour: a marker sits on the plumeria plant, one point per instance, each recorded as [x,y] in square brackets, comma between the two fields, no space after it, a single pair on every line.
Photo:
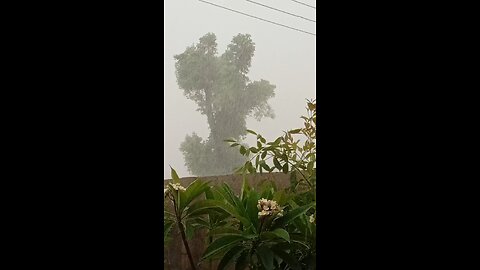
[262,227]
[297,157]
[255,233]
[178,202]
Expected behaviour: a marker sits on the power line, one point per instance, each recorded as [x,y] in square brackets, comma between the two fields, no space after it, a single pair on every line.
[301,3]
[258,18]
[260,4]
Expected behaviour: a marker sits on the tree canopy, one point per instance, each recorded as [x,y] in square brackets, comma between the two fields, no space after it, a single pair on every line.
[220,87]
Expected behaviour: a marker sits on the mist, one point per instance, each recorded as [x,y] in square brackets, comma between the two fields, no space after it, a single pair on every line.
[284,57]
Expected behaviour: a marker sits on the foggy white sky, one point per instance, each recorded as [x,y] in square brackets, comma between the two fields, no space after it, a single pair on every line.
[284,57]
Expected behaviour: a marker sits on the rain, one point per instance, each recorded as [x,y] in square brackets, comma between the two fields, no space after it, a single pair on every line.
[283,56]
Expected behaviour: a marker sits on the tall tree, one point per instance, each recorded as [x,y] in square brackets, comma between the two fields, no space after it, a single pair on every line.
[220,87]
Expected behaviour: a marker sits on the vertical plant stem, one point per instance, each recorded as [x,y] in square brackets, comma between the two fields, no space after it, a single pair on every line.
[256,242]
[261,224]
[184,237]
[210,240]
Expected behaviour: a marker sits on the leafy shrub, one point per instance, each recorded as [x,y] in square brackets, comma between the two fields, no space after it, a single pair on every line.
[264,229]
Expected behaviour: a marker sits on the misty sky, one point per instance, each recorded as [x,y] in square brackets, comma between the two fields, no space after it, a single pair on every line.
[284,57]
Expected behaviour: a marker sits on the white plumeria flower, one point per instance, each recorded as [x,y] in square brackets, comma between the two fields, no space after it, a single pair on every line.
[312,219]
[268,208]
[263,213]
[177,187]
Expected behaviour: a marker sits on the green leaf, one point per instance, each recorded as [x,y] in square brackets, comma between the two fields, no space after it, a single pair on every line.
[259,144]
[277,164]
[251,209]
[200,223]
[265,166]
[263,140]
[264,154]
[293,179]
[250,167]
[301,244]
[266,257]
[267,192]
[287,258]
[195,189]
[251,131]
[230,256]
[292,214]
[189,231]
[268,236]
[243,150]
[242,261]
[224,231]
[174,175]
[221,244]
[233,198]
[310,166]
[285,168]
[253,150]
[224,195]
[202,207]
[311,106]
[167,227]
[168,215]
[245,187]
[234,144]
[293,204]
[209,194]
[241,169]
[295,131]
[293,245]
[277,141]
[280,197]
[230,140]
[282,234]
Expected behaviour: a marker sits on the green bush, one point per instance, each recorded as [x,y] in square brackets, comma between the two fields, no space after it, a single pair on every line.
[264,229]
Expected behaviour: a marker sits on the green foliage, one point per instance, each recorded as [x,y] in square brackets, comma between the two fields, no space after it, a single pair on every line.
[296,157]
[287,153]
[250,239]
[262,227]
[183,202]
[220,87]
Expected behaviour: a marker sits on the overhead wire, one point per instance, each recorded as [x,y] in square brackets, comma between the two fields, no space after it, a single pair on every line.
[279,10]
[258,18]
[301,3]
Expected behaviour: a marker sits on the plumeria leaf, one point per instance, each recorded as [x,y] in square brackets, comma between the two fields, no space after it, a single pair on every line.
[221,244]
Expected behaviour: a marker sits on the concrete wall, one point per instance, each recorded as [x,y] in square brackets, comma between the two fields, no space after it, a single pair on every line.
[175,256]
